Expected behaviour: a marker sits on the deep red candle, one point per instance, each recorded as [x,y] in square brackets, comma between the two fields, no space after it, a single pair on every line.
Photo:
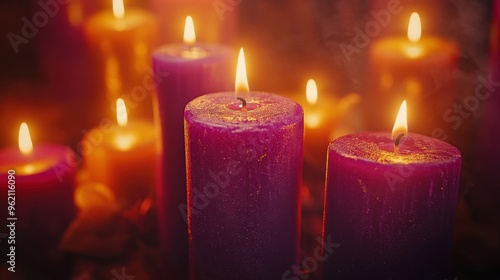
[37,196]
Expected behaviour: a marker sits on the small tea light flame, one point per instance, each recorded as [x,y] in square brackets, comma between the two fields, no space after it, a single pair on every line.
[24,140]
[189,33]
[241,83]
[400,128]
[118,9]
[121,113]
[414,28]
[311,92]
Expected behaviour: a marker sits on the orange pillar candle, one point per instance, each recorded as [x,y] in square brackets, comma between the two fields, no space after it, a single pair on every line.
[318,118]
[322,113]
[123,157]
[121,42]
[412,68]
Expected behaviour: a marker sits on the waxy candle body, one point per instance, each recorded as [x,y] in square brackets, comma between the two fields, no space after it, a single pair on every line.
[392,213]
[42,192]
[121,50]
[123,158]
[243,174]
[183,73]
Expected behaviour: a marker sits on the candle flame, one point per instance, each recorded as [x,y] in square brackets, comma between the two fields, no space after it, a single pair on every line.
[401,124]
[121,113]
[118,8]
[414,28]
[241,84]
[189,33]
[24,140]
[311,92]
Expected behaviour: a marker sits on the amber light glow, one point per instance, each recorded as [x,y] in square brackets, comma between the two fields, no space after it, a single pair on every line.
[311,92]
[312,118]
[189,33]
[414,35]
[241,83]
[24,140]
[414,28]
[118,8]
[121,112]
[401,124]
[124,140]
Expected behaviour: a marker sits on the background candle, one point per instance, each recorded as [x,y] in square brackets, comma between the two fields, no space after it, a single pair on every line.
[325,116]
[41,188]
[220,18]
[184,71]
[318,126]
[244,172]
[392,212]
[419,70]
[122,157]
[121,42]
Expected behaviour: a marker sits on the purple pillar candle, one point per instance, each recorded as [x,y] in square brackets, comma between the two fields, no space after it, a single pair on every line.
[244,169]
[182,72]
[391,211]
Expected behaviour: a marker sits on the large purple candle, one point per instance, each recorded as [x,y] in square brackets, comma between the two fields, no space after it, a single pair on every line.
[391,211]
[182,72]
[244,169]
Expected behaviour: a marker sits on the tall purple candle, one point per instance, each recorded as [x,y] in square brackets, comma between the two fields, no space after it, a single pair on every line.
[182,72]
[244,169]
[391,207]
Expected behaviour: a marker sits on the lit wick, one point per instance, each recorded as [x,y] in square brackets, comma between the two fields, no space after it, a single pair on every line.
[243,105]
[400,126]
[397,142]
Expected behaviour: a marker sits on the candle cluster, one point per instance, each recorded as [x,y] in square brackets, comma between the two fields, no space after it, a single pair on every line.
[225,164]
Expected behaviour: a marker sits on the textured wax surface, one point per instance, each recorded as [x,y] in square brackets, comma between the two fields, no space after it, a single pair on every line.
[391,213]
[378,147]
[244,178]
[267,110]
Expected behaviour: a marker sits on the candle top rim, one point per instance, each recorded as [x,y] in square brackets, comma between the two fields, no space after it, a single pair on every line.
[172,51]
[376,147]
[432,46]
[137,132]
[134,18]
[429,39]
[273,110]
[42,159]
